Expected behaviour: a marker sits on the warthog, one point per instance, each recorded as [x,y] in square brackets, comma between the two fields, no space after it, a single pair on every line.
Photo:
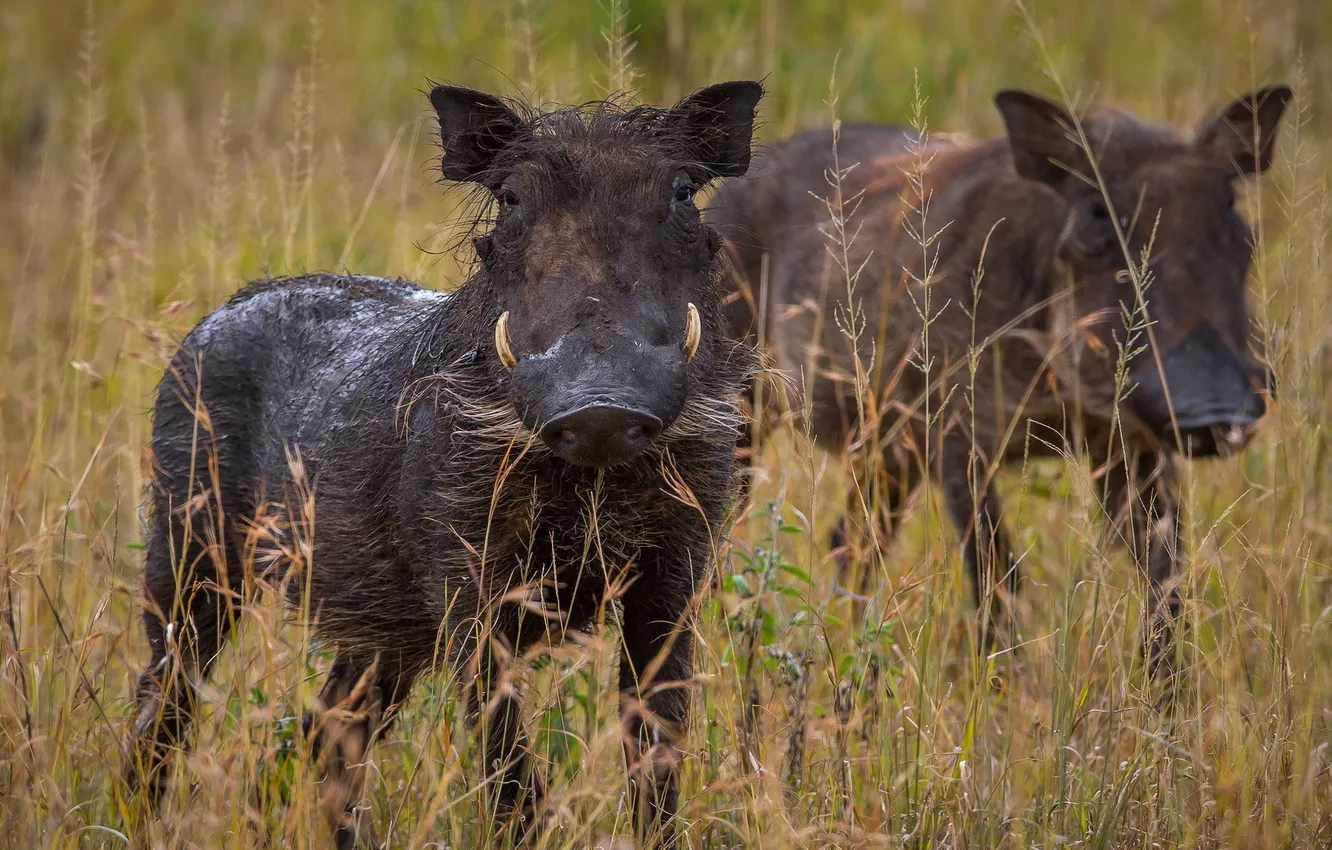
[459,478]
[1052,267]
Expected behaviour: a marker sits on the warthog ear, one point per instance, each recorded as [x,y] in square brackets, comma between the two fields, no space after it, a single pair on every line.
[1244,133]
[1043,137]
[474,128]
[717,124]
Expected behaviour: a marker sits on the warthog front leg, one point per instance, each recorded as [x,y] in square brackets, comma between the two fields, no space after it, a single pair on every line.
[1142,501]
[968,490]
[356,707]
[883,501]
[494,708]
[189,611]
[655,666]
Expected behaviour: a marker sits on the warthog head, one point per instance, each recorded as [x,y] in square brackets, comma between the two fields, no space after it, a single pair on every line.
[1156,256]
[607,282]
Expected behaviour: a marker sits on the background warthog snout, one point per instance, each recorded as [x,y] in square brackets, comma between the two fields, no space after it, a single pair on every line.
[1215,396]
[600,396]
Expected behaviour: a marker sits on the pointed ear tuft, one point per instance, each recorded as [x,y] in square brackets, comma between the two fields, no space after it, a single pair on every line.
[1244,134]
[717,123]
[474,128]
[1042,135]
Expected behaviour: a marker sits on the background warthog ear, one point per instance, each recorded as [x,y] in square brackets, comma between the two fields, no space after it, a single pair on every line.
[474,128]
[1043,137]
[717,123]
[1244,133]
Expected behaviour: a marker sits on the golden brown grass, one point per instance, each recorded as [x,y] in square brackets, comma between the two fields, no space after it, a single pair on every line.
[154,155]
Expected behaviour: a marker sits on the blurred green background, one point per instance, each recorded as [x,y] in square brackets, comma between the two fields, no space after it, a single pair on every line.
[214,89]
[375,57]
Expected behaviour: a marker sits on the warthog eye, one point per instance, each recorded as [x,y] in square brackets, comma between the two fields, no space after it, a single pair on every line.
[1092,237]
[508,199]
[684,193]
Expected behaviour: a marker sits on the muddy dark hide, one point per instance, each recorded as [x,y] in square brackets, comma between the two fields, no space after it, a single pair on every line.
[462,478]
[1137,264]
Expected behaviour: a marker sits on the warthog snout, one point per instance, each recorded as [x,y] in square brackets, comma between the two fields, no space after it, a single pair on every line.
[601,434]
[1215,397]
[601,394]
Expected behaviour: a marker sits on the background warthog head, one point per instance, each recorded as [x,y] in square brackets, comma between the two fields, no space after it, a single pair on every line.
[1156,256]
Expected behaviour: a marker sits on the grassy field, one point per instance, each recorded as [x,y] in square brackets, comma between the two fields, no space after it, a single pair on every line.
[155,155]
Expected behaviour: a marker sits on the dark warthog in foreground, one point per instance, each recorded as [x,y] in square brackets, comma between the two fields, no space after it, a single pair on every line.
[471,473]
[1031,255]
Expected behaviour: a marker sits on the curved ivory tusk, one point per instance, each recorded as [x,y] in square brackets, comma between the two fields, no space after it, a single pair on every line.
[502,341]
[693,332]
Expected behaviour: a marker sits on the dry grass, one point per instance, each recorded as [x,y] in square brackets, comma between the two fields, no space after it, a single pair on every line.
[155,155]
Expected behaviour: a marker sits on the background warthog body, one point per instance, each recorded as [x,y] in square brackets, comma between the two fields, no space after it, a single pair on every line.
[1046,332]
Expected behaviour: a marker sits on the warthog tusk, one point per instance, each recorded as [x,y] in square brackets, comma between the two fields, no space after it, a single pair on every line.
[693,332]
[502,341]
[1234,436]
